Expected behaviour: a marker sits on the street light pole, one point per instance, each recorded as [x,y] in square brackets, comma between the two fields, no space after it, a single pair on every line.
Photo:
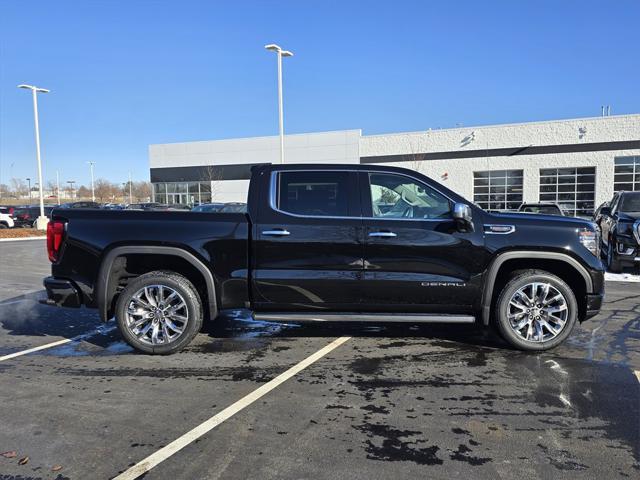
[58,186]
[71,183]
[41,222]
[130,190]
[29,182]
[93,192]
[281,53]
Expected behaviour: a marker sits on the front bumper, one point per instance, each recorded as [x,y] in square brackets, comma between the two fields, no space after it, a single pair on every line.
[61,293]
[594,304]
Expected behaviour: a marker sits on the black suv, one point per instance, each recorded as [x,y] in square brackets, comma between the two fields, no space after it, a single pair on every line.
[620,225]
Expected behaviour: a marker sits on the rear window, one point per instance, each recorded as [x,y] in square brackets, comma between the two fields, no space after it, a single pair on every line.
[318,194]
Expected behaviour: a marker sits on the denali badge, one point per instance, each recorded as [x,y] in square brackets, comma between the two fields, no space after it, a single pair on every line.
[443,284]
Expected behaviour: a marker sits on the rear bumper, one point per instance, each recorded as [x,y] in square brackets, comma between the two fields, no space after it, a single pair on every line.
[594,303]
[61,293]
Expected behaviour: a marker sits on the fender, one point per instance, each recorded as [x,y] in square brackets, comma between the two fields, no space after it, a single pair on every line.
[492,273]
[103,286]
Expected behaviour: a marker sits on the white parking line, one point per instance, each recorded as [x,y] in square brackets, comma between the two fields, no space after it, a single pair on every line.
[205,427]
[35,349]
[103,329]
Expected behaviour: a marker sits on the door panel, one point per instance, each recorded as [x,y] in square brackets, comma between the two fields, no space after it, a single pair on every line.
[415,258]
[308,252]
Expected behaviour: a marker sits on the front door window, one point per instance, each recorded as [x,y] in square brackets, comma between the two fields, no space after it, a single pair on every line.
[398,196]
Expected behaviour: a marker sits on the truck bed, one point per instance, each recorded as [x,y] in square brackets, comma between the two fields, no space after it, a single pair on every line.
[218,240]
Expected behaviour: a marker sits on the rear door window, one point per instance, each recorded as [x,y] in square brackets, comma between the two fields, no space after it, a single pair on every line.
[313,193]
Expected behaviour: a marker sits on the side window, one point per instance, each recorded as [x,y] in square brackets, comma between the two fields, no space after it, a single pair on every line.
[397,196]
[319,194]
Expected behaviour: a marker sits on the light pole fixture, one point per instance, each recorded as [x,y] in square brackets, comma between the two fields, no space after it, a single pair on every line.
[281,53]
[93,191]
[41,222]
[71,183]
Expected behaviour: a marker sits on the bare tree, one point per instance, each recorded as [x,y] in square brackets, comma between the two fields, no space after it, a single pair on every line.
[83,192]
[141,191]
[4,190]
[417,152]
[19,188]
[104,189]
[213,175]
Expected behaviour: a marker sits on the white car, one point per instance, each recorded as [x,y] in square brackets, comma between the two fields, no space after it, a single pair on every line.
[6,221]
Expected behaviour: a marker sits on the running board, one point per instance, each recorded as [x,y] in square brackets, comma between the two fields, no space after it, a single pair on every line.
[364,317]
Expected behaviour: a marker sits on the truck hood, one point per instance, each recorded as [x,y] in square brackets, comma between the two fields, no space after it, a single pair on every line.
[535,218]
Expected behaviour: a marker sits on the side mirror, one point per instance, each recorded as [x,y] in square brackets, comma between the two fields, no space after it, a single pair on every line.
[605,211]
[463,217]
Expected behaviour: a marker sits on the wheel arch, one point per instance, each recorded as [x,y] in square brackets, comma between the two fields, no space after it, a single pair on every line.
[501,262]
[106,287]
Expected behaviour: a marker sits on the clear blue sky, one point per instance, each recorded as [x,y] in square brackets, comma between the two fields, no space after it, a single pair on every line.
[125,74]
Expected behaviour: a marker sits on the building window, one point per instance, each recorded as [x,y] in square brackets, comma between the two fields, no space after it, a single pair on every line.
[498,190]
[571,188]
[627,174]
[160,192]
[192,193]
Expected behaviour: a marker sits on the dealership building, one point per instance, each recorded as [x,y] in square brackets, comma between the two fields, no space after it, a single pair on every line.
[576,163]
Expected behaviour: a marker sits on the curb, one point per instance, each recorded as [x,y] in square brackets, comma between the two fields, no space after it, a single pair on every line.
[23,238]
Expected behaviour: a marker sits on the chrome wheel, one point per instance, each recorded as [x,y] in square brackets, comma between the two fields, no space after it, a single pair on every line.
[156,315]
[537,312]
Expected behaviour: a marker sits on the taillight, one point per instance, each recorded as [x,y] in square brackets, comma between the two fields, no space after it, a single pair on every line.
[55,234]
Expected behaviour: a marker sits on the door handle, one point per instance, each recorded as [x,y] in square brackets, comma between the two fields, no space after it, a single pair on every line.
[277,233]
[383,234]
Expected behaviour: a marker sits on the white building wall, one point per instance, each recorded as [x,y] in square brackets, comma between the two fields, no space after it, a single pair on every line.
[585,130]
[325,147]
[349,146]
[460,170]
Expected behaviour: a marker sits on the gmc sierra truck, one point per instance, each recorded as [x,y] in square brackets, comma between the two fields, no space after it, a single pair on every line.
[329,243]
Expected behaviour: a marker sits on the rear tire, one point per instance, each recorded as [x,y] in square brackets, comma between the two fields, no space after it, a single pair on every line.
[159,312]
[536,310]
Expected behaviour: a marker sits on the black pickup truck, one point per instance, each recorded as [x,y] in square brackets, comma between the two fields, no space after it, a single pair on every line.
[620,224]
[329,243]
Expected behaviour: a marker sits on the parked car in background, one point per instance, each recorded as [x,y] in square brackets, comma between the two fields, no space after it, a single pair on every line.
[208,207]
[234,207]
[7,210]
[541,208]
[113,206]
[314,245]
[6,221]
[80,205]
[620,226]
[26,216]
[146,206]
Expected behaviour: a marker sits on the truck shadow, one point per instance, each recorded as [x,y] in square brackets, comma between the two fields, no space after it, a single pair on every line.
[240,325]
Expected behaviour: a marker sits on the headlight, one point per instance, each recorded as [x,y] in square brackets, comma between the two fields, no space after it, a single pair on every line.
[590,239]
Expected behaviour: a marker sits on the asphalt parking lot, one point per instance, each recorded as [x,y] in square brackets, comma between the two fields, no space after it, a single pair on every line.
[389,401]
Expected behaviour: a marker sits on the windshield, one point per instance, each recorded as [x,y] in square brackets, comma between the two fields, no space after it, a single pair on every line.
[630,203]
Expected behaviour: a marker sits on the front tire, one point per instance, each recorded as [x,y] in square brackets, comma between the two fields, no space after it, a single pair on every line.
[159,312]
[536,310]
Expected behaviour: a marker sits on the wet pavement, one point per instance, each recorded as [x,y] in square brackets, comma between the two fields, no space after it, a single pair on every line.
[401,400]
